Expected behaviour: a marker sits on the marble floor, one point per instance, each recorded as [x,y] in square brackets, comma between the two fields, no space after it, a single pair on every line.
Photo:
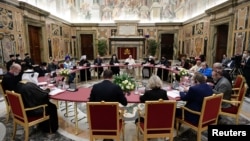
[67,130]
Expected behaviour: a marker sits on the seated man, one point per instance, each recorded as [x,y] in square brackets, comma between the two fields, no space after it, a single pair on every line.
[130,69]
[114,62]
[33,95]
[42,69]
[53,66]
[163,73]
[194,97]
[222,85]
[147,71]
[85,73]
[98,62]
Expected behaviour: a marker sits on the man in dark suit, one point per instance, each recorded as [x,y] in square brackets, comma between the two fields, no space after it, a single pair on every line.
[194,97]
[98,62]
[10,62]
[11,78]
[28,61]
[107,91]
[246,69]
[164,63]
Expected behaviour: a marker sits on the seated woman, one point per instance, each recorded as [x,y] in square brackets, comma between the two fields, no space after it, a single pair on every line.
[206,71]
[155,93]
[84,62]
[33,95]
[114,61]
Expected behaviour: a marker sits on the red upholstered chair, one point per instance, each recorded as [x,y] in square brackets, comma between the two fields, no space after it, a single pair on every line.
[8,111]
[234,110]
[19,113]
[105,121]
[208,116]
[158,120]
[239,82]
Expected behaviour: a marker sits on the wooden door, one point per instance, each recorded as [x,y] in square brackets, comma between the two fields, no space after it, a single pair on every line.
[221,45]
[34,43]
[87,46]
[167,45]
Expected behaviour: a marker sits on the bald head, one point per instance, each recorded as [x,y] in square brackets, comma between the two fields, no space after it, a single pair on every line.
[15,69]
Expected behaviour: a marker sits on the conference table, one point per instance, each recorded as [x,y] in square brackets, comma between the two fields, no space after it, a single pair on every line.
[137,67]
[83,93]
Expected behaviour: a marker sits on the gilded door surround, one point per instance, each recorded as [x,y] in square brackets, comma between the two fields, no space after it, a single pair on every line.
[43,43]
[211,49]
[78,45]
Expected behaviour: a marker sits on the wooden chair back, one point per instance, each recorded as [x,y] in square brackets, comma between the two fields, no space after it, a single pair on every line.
[208,115]
[159,119]
[234,109]
[104,120]
[19,113]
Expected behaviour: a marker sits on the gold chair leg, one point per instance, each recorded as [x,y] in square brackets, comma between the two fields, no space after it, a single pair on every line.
[14,130]
[198,136]
[8,114]
[26,130]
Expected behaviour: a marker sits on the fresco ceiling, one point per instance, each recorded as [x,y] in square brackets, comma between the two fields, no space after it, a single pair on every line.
[108,11]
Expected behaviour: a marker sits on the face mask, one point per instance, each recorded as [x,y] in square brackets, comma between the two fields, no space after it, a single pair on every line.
[15,73]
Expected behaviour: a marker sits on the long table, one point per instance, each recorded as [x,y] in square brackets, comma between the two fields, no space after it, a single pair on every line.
[83,94]
[136,66]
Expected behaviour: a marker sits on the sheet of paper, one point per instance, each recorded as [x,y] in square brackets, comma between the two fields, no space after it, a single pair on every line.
[173,93]
[42,83]
[55,91]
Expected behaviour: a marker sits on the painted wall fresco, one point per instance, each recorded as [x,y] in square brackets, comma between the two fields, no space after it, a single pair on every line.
[240,24]
[110,10]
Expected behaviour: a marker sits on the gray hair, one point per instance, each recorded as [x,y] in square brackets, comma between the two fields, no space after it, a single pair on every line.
[217,65]
[154,82]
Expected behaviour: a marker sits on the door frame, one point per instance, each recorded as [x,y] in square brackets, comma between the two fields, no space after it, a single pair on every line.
[211,48]
[43,45]
[78,40]
[176,47]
